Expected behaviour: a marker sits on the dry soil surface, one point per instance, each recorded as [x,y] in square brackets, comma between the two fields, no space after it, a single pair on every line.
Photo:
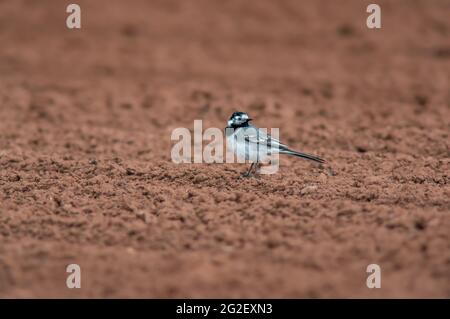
[86,177]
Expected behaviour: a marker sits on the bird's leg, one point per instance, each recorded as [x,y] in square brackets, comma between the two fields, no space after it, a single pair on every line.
[248,173]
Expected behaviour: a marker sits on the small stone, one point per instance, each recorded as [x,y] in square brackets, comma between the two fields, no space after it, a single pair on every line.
[361,148]
[146,217]
[308,189]
[331,172]
[14,178]
[130,171]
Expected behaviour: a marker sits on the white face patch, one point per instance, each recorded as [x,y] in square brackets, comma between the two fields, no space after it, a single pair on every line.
[241,118]
[238,119]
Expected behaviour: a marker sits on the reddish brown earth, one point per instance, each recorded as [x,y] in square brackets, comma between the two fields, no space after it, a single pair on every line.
[85,169]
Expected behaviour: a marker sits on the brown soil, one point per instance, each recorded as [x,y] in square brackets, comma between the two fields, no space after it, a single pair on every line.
[85,171]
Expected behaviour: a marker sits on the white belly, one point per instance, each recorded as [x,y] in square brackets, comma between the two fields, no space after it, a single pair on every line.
[248,152]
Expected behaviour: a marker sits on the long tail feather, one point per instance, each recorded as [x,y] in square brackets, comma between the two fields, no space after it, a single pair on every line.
[303,155]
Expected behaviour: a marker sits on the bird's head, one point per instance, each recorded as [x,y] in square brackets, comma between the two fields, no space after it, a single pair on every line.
[238,119]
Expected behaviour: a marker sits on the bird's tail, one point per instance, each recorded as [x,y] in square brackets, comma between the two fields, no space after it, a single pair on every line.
[303,155]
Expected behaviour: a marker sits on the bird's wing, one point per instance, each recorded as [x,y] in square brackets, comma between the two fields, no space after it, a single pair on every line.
[258,136]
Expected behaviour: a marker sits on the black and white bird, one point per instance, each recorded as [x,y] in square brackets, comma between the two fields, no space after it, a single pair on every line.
[255,145]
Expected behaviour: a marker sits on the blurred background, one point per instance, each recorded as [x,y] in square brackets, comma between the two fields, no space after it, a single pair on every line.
[85,171]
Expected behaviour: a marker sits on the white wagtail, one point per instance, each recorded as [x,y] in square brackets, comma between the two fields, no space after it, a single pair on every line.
[254,145]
